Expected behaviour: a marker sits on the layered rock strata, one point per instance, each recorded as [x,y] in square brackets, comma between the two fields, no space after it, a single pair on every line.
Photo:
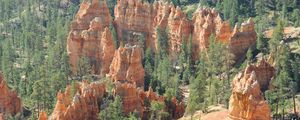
[10,103]
[136,23]
[127,65]
[247,101]
[90,37]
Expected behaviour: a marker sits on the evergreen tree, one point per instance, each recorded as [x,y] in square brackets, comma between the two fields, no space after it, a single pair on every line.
[162,41]
[277,36]
[113,111]
[148,63]
[198,91]
[83,68]
[157,112]
[8,60]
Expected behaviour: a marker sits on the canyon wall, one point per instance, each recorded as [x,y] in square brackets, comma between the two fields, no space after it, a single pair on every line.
[247,101]
[10,103]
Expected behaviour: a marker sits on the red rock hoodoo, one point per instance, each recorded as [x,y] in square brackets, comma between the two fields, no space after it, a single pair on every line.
[89,36]
[246,101]
[127,65]
[85,103]
[133,19]
[134,100]
[208,22]
[136,18]
[83,106]
[10,103]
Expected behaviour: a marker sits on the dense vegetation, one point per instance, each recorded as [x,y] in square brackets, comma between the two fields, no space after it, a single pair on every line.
[35,63]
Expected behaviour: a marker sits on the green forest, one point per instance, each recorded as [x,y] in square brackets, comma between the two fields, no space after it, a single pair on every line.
[35,62]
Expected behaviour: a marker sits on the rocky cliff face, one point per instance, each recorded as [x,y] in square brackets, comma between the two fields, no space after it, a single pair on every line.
[247,101]
[242,38]
[84,105]
[10,103]
[127,65]
[207,22]
[89,36]
[134,17]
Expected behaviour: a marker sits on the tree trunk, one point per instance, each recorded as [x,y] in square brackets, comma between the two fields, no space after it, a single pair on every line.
[283,113]
[295,112]
[276,115]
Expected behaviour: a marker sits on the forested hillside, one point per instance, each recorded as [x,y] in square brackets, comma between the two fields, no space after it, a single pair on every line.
[149,59]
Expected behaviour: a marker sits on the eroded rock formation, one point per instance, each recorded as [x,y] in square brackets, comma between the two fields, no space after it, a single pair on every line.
[127,65]
[133,16]
[89,36]
[134,100]
[208,22]
[247,101]
[10,103]
[43,116]
[88,98]
[135,20]
[83,106]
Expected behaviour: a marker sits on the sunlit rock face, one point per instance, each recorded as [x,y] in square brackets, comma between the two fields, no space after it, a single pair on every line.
[43,116]
[136,23]
[90,37]
[86,103]
[242,38]
[132,17]
[10,103]
[127,66]
[246,101]
[207,22]
[83,106]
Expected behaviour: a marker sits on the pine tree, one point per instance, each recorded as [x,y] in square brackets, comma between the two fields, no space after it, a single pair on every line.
[277,37]
[198,90]
[8,60]
[83,68]
[113,111]
[148,63]
[157,112]
[262,43]
[162,41]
